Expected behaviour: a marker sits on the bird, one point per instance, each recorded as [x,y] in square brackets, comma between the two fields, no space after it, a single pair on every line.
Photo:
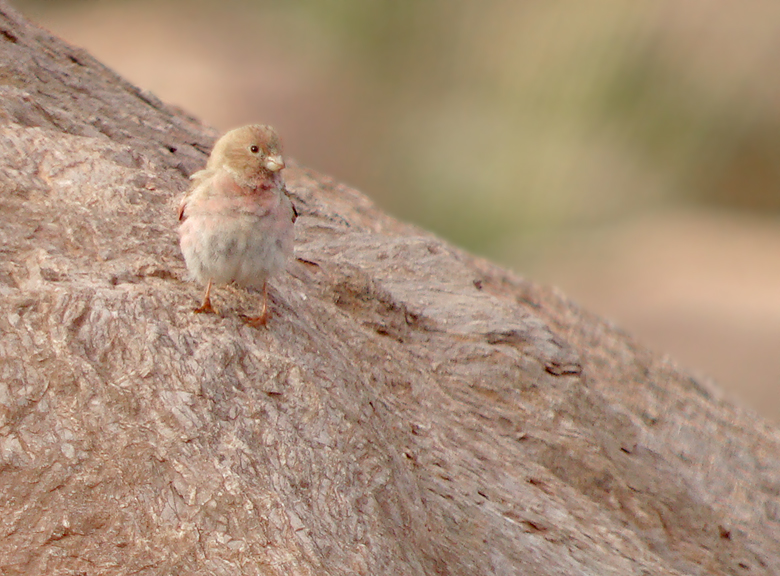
[236,219]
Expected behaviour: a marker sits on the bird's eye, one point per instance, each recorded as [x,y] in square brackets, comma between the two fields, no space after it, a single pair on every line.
[254,149]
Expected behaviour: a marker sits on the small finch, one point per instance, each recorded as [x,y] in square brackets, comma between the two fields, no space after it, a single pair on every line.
[237,218]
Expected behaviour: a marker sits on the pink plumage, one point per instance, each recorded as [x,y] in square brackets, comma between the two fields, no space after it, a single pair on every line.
[237,218]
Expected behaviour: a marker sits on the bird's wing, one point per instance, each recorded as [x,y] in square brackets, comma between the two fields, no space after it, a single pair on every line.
[197,178]
[182,208]
[200,176]
[294,209]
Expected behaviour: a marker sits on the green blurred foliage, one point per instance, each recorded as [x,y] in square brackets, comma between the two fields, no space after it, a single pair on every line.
[716,150]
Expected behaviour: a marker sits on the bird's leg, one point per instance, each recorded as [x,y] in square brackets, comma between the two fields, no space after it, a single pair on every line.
[206,306]
[258,321]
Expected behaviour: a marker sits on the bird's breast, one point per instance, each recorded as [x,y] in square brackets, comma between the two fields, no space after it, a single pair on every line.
[258,197]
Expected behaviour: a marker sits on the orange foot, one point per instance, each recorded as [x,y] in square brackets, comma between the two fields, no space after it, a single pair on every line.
[257,321]
[205,308]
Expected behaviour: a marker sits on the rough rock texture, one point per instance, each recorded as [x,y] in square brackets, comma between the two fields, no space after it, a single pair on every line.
[410,409]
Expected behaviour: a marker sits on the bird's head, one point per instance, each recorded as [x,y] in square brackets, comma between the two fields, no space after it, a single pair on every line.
[248,152]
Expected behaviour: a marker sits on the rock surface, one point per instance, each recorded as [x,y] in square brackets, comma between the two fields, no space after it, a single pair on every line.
[410,409]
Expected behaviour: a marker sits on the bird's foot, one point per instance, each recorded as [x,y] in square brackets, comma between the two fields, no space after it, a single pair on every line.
[256,321]
[205,308]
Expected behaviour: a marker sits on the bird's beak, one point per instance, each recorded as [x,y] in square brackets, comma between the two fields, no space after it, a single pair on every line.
[274,163]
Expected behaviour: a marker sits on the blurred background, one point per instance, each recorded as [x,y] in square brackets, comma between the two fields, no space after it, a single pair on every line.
[626,152]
